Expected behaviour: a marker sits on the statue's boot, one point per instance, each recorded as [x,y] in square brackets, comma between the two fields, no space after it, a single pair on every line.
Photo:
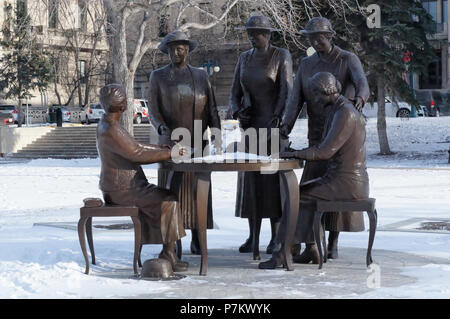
[278,259]
[295,250]
[310,254]
[246,247]
[177,264]
[332,245]
[272,247]
[195,243]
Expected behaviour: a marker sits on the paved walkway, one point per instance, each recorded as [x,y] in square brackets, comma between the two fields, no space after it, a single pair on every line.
[236,276]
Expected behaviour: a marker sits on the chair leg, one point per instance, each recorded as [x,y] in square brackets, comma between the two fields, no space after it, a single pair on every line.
[139,256]
[373,216]
[137,242]
[81,237]
[179,249]
[317,228]
[90,239]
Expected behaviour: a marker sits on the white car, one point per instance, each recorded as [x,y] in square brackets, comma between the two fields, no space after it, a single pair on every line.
[140,111]
[393,109]
[92,113]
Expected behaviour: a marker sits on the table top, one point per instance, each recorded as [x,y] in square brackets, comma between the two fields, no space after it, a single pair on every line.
[232,165]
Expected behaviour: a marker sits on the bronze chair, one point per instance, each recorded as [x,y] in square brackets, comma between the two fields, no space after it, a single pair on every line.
[85,222]
[324,206]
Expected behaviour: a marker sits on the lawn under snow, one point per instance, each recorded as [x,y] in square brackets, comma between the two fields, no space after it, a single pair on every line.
[46,262]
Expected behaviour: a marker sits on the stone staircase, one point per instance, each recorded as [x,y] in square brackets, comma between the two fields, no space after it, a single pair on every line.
[71,142]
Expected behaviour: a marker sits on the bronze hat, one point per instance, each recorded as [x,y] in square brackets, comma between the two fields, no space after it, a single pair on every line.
[318,25]
[179,37]
[157,268]
[259,22]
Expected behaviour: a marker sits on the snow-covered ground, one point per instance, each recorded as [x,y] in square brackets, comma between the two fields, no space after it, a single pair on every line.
[46,262]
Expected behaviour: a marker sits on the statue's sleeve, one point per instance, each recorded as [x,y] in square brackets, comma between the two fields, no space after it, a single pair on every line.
[154,102]
[294,103]
[358,78]
[213,114]
[119,141]
[236,90]
[285,81]
[340,131]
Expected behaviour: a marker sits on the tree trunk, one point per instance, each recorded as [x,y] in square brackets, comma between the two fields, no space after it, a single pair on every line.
[381,118]
[127,116]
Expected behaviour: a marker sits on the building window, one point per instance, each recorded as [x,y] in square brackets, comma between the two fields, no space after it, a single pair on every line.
[82,70]
[82,14]
[22,10]
[431,7]
[444,11]
[53,14]
[207,8]
[163,25]
[433,78]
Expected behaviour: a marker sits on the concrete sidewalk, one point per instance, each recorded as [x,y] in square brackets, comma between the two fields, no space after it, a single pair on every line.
[236,276]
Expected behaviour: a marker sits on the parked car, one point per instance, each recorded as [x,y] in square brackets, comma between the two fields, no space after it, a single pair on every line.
[140,111]
[393,109]
[427,100]
[13,111]
[6,119]
[92,113]
[51,118]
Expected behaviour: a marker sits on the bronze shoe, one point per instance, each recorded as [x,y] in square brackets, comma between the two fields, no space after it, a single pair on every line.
[177,265]
[310,254]
[278,259]
[246,247]
[272,247]
[332,253]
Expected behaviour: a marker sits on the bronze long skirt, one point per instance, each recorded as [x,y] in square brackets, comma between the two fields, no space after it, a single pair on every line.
[183,185]
[160,213]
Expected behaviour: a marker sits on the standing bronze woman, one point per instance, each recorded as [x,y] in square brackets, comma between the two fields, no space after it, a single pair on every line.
[181,94]
[262,82]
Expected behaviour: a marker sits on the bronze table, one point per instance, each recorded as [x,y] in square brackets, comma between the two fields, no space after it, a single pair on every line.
[288,187]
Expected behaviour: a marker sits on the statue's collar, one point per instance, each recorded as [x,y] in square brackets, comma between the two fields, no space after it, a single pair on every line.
[332,56]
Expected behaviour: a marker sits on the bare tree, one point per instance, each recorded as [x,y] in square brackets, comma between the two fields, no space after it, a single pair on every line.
[118,15]
[81,24]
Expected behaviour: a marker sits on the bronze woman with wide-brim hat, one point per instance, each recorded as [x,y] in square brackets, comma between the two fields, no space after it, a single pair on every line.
[262,82]
[179,95]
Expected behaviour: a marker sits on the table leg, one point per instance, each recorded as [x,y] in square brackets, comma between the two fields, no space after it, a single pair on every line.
[137,242]
[290,198]
[81,237]
[202,183]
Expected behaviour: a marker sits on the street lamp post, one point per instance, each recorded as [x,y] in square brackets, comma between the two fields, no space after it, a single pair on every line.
[210,67]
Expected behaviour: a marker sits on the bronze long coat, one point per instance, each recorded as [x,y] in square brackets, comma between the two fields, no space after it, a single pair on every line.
[267,84]
[123,182]
[176,102]
[343,146]
[346,67]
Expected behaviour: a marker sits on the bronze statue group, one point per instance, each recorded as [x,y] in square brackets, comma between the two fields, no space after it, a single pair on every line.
[332,84]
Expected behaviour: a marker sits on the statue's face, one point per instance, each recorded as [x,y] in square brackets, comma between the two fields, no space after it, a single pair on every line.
[320,98]
[178,53]
[259,38]
[321,42]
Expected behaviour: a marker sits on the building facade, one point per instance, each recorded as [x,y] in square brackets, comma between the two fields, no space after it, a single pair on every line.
[72,31]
